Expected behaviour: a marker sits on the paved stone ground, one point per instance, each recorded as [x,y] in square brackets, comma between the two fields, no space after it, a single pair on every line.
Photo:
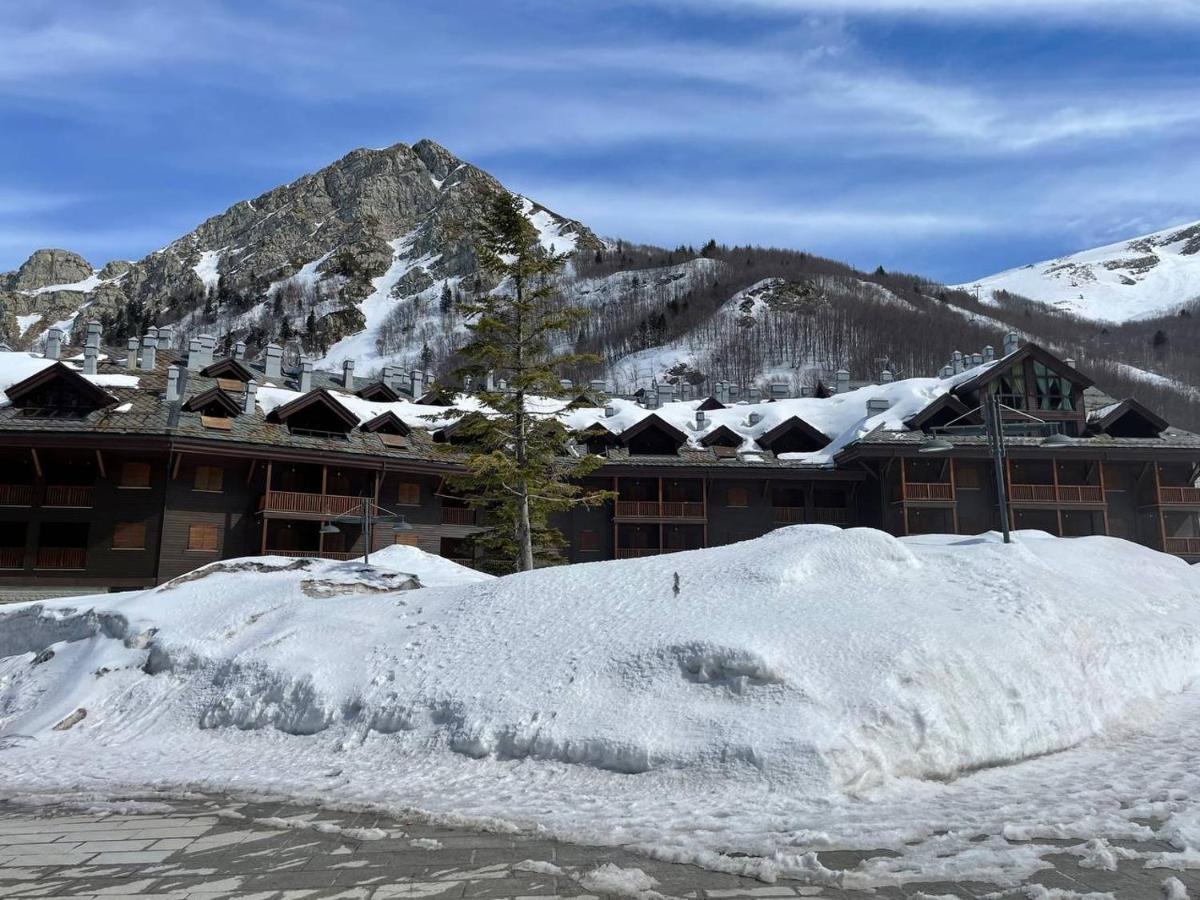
[224,848]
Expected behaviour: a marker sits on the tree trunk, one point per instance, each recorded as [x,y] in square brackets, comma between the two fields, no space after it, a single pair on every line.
[524,535]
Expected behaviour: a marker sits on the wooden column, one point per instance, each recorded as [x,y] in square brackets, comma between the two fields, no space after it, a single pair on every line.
[1012,513]
[904,492]
[953,494]
[324,484]
[660,521]
[616,499]
[1162,520]
[704,498]
[1057,499]
[263,548]
[1104,494]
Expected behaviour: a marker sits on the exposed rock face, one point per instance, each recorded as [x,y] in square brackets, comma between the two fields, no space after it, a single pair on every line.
[333,234]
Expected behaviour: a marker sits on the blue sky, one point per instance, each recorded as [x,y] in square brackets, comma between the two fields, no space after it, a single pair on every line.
[948,137]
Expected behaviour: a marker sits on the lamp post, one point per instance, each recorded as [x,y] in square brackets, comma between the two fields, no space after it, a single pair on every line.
[370,515]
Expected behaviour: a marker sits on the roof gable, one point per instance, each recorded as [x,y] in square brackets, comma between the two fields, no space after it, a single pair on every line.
[379,392]
[386,423]
[722,436]
[1129,418]
[941,411]
[653,425]
[318,399]
[228,368]
[1028,351]
[66,378]
[206,401]
[793,435]
[710,404]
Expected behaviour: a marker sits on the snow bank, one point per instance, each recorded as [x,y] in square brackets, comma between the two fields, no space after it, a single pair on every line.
[813,667]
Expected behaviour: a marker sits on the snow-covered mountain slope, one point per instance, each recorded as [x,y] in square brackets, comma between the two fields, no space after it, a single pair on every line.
[1134,279]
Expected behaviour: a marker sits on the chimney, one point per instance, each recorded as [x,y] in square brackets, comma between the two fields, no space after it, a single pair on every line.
[430,378]
[415,377]
[239,351]
[598,386]
[1011,343]
[489,382]
[306,369]
[54,343]
[93,334]
[149,345]
[348,374]
[131,353]
[195,360]
[753,419]
[401,384]
[249,397]
[886,377]
[700,418]
[754,395]
[732,391]
[502,385]
[172,395]
[89,357]
[946,371]
[651,399]
[956,361]
[778,390]
[274,361]
[566,384]
[805,391]
[166,337]
[686,390]
[989,353]
[208,343]
[877,405]
[1070,362]
[666,393]
[976,360]
[843,381]
[609,412]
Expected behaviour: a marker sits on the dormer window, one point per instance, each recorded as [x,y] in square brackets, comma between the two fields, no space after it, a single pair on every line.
[653,436]
[213,404]
[228,369]
[316,414]
[1053,390]
[793,435]
[57,392]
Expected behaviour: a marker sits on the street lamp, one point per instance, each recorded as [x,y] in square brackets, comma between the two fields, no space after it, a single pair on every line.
[369,515]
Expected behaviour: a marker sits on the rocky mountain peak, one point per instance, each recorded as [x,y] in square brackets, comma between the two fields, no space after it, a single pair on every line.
[49,267]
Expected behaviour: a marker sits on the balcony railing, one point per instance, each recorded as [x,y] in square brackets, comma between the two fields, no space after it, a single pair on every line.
[1187,496]
[1183,546]
[12,557]
[16,495]
[458,515]
[831,515]
[637,552]
[925,491]
[68,495]
[314,554]
[310,504]
[789,515]
[61,558]
[652,509]
[1063,493]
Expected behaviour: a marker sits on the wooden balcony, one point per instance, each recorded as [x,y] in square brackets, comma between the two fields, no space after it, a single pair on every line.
[1056,495]
[636,552]
[12,557]
[459,515]
[291,504]
[314,554]
[652,509]
[789,515]
[61,558]
[69,496]
[830,515]
[16,495]
[1183,546]
[1179,496]
[928,492]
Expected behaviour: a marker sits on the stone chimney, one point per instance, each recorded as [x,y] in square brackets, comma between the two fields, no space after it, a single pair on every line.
[415,378]
[348,374]
[877,405]
[172,395]
[166,337]
[388,376]
[753,394]
[306,370]
[195,359]
[93,335]
[54,343]
[249,397]
[1070,362]
[843,381]
[273,361]
[666,393]
[886,377]
[566,384]
[989,353]
[598,386]
[778,390]
[90,352]
[239,351]
[976,359]
[1011,343]
[946,371]
[131,353]
[208,344]
[149,345]
[956,361]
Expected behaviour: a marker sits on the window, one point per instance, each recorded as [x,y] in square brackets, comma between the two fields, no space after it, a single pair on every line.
[129,536]
[407,538]
[737,496]
[589,541]
[210,479]
[135,475]
[1011,388]
[203,538]
[409,494]
[1053,391]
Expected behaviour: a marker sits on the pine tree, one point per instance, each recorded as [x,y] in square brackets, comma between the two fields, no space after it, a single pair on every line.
[518,466]
[447,300]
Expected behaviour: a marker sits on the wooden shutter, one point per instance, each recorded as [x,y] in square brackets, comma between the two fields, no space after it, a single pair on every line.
[129,536]
[407,538]
[135,475]
[589,541]
[409,494]
[203,538]
[737,496]
[209,478]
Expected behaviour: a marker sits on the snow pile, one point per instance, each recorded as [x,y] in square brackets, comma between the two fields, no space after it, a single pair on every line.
[790,678]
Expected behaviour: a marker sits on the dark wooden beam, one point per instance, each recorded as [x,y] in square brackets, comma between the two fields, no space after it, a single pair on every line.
[100,464]
[37,463]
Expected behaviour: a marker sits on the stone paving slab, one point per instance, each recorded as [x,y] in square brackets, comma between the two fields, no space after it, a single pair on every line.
[219,847]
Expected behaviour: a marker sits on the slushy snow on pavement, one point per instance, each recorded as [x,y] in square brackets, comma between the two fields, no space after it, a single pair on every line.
[952,700]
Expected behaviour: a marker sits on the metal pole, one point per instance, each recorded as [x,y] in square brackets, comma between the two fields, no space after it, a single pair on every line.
[367,531]
[994,420]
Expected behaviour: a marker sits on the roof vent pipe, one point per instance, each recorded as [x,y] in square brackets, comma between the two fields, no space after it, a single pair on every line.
[172,395]
[306,369]
[90,352]
[149,345]
[348,374]
[131,353]
[248,399]
[609,412]
[165,339]
[195,360]
[700,419]
[273,364]
[53,343]
[753,419]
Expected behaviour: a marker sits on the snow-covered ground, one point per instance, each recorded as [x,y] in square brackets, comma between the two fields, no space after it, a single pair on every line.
[812,689]
[1133,279]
